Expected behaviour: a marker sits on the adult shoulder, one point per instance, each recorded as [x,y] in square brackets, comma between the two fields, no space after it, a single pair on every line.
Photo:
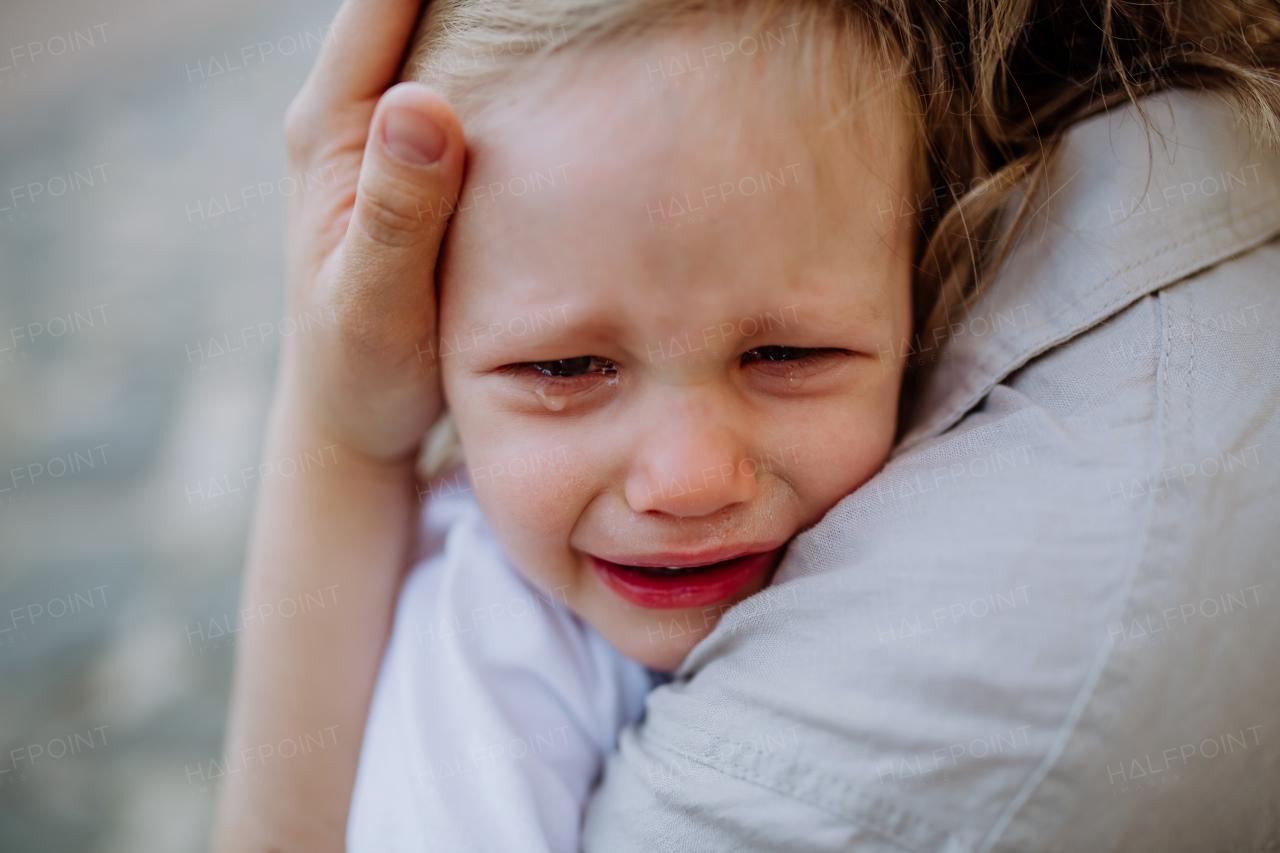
[1048,623]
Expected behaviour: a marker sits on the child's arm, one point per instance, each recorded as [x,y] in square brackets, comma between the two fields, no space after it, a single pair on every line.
[356,390]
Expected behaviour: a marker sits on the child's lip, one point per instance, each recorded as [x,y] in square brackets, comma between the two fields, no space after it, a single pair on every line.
[703,582]
[676,559]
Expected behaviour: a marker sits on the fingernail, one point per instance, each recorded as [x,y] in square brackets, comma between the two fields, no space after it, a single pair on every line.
[412,137]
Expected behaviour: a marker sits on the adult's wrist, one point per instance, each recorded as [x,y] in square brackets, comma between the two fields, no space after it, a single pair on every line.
[301,419]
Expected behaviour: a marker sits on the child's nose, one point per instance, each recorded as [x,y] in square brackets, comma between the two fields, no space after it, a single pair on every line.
[690,472]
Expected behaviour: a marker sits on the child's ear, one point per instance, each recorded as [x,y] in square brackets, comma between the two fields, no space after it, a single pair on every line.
[441,449]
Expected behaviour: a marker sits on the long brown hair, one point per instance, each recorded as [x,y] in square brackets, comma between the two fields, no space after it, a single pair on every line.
[994,115]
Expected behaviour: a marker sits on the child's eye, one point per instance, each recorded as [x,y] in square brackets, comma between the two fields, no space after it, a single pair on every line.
[566,368]
[776,354]
[793,366]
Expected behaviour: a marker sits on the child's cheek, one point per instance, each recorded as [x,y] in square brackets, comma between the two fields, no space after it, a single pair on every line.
[530,496]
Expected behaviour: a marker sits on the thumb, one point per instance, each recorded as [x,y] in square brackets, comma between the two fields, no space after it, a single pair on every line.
[409,180]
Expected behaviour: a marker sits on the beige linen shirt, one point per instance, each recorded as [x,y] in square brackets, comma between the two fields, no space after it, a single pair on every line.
[1051,622]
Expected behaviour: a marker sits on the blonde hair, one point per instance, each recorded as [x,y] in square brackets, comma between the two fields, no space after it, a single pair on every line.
[992,86]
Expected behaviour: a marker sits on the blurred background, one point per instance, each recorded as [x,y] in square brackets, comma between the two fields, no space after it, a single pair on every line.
[141,208]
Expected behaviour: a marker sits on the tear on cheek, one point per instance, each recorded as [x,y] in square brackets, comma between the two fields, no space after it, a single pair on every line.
[550,402]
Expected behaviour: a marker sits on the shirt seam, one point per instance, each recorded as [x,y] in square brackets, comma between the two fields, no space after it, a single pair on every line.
[1227,221]
[1103,658]
[1039,346]
[833,808]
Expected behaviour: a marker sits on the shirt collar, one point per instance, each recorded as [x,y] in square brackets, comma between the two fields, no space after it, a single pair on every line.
[1125,213]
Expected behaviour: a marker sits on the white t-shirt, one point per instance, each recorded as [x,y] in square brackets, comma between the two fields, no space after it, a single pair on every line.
[495,706]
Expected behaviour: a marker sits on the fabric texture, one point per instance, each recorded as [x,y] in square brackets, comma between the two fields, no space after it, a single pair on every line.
[1049,624]
[494,707]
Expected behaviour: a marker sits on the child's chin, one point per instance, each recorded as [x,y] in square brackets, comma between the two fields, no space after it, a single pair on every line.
[664,653]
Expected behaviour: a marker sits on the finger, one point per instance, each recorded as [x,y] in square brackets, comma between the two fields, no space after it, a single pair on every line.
[362,57]
[408,187]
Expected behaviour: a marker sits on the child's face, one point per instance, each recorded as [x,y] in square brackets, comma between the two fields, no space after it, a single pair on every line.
[638,387]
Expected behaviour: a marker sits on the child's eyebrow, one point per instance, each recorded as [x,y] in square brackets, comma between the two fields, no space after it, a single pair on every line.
[534,334]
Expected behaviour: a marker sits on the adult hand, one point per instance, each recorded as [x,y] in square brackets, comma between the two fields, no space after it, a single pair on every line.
[361,260]
[362,240]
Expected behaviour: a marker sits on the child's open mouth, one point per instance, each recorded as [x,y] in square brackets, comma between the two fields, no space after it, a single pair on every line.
[679,586]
